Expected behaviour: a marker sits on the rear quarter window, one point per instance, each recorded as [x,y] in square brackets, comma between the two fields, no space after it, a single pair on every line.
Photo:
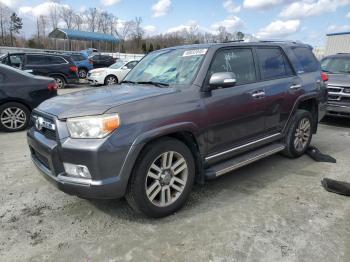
[307,61]
[56,60]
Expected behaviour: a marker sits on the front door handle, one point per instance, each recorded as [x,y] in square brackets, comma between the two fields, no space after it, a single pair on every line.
[295,86]
[258,94]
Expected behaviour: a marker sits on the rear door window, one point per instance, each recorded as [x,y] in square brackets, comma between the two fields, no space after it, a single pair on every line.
[273,63]
[77,57]
[37,60]
[240,61]
[307,61]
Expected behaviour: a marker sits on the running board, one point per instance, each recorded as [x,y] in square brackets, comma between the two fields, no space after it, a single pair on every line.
[243,160]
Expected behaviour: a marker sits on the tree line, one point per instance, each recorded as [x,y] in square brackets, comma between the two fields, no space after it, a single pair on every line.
[133,36]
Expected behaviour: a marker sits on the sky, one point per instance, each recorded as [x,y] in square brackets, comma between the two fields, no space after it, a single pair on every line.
[305,20]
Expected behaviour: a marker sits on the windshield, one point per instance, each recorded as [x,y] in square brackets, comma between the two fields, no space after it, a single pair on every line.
[336,65]
[170,66]
[117,65]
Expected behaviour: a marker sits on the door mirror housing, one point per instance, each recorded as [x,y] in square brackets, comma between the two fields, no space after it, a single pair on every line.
[124,67]
[222,80]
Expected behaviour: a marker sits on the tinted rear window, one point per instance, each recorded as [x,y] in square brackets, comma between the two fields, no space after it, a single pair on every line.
[37,60]
[307,60]
[56,60]
[78,57]
[273,63]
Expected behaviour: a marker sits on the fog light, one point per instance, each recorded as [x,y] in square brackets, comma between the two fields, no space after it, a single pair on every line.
[76,170]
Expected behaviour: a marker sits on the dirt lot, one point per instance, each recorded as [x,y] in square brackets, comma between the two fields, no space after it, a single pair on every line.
[273,210]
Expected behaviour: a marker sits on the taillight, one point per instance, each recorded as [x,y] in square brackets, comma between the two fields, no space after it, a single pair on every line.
[91,62]
[73,69]
[52,86]
[324,77]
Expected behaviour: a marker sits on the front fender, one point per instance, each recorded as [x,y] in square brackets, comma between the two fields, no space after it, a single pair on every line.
[166,130]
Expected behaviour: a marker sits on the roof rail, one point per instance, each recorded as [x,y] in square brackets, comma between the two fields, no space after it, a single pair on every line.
[234,41]
[283,41]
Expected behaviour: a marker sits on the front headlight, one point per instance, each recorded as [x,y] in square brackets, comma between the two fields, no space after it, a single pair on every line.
[93,126]
[96,73]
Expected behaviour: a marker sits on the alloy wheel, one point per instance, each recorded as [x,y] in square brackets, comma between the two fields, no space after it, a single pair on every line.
[302,134]
[60,83]
[111,80]
[82,73]
[166,179]
[13,118]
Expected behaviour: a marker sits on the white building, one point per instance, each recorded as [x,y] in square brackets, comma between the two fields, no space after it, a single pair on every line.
[338,43]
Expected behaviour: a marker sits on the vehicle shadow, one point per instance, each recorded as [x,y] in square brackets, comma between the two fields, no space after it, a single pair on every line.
[336,121]
[229,188]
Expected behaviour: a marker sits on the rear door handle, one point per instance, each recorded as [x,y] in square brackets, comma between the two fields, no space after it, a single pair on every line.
[296,86]
[258,94]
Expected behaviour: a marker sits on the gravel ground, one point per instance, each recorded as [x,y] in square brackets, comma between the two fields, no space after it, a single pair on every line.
[272,210]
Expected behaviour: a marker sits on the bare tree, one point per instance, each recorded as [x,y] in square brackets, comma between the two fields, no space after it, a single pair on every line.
[91,19]
[78,21]
[54,14]
[137,31]
[67,15]
[4,21]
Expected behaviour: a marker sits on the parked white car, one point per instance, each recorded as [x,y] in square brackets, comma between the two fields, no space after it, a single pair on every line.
[111,75]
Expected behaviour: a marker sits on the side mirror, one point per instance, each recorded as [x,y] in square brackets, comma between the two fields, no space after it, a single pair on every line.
[222,80]
[124,67]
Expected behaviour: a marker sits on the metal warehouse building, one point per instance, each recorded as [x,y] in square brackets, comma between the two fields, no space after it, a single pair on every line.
[338,43]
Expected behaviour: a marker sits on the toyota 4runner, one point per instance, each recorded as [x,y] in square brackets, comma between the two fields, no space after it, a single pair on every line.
[183,114]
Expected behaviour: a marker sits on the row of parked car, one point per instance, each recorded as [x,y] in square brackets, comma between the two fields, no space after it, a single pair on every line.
[65,68]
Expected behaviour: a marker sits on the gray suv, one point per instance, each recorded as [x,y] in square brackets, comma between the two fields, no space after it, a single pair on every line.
[338,69]
[182,115]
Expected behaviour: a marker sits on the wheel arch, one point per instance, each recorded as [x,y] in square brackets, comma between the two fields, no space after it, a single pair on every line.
[307,102]
[60,75]
[184,132]
[111,75]
[30,108]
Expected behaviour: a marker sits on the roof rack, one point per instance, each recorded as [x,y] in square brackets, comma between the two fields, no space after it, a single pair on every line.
[234,41]
[278,40]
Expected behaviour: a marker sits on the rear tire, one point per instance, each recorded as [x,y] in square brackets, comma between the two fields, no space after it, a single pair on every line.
[14,117]
[162,178]
[299,135]
[61,83]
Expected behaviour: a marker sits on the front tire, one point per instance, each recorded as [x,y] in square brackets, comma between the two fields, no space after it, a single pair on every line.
[14,117]
[82,72]
[162,179]
[299,135]
[111,80]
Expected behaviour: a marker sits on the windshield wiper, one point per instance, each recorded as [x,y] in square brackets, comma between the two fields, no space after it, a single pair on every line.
[159,84]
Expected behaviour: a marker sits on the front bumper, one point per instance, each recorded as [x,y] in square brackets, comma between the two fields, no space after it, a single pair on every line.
[96,80]
[109,167]
[339,110]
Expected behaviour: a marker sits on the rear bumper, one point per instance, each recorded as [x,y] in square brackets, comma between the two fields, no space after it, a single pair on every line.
[339,110]
[72,81]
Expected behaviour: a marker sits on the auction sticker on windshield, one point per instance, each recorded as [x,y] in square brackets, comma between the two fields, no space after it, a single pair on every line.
[195,52]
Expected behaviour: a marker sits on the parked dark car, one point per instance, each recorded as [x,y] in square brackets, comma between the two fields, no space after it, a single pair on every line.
[338,68]
[20,92]
[58,66]
[182,114]
[83,63]
[99,61]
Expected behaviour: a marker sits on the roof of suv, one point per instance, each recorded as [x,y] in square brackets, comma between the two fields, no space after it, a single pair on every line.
[240,43]
[347,55]
[38,53]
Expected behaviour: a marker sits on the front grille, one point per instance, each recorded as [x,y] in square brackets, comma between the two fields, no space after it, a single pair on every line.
[45,130]
[43,160]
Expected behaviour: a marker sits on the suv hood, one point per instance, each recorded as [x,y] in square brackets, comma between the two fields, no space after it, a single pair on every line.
[98,101]
[342,80]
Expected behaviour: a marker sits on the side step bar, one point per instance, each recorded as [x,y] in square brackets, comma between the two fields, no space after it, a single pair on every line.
[243,160]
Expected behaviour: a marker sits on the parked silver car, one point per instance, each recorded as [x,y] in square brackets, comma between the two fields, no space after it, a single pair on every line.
[338,70]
